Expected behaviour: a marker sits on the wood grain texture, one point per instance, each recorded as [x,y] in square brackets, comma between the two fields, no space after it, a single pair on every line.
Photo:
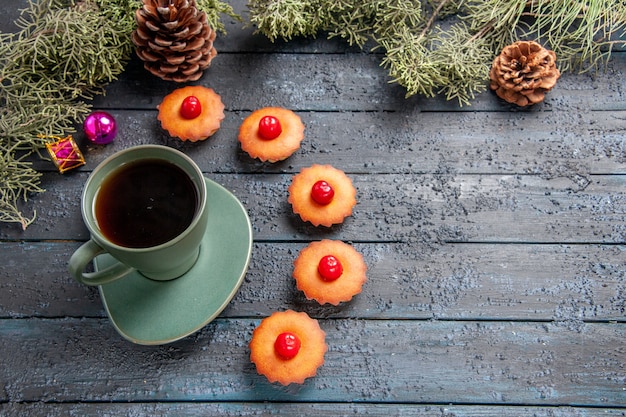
[378,361]
[568,284]
[346,82]
[230,409]
[495,239]
[430,208]
[546,144]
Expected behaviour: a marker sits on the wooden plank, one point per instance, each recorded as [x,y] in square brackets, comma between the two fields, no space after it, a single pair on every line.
[543,143]
[234,409]
[346,82]
[380,361]
[406,208]
[34,281]
[495,239]
[568,284]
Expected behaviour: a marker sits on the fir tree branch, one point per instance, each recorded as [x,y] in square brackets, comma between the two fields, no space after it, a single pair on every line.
[214,9]
[434,16]
[63,54]
[581,33]
[286,19]
[18,180]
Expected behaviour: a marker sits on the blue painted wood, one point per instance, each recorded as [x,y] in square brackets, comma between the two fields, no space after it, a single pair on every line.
[377,361]
[347,82]
[567,284]
[495,239]
[430,208]
[230,409]
[548,144]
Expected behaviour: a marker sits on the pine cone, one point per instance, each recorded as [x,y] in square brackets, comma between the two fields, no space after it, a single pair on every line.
[173,39]
[523,73]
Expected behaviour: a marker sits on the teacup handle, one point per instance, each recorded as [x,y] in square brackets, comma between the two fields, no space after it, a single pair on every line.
[84,255]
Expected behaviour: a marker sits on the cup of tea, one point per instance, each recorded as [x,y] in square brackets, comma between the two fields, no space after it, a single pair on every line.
[146,206]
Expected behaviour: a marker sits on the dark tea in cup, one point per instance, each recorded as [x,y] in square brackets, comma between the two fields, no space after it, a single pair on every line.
[147,208]
[145,203]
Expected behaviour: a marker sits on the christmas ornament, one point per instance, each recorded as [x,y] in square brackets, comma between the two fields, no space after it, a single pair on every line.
[174,39]
[64,153]
[100,127]
[63,78]
[523,73]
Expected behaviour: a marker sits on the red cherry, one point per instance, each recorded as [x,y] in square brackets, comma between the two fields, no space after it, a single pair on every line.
[330,268]
[322,192]
[269,128]
[190,108]
[287,345]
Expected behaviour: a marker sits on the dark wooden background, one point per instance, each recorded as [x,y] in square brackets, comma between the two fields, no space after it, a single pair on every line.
[495,239]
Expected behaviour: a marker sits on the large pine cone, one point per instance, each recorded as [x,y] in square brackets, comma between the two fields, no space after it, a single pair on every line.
[173,39]
[523,73]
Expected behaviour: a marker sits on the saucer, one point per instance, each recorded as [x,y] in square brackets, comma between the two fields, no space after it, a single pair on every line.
[149,312]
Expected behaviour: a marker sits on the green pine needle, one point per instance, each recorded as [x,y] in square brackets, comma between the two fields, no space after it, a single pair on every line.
[65,53]
[428,60]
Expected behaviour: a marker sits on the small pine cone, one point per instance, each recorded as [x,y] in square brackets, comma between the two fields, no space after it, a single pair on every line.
[523,73]
[173,39]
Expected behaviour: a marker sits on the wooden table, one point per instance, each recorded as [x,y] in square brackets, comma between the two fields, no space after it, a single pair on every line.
[495,239]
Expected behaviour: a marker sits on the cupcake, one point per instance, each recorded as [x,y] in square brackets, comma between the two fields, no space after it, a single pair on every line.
[191,113]
[271,134]
[288,347]
[322,195]
[329,271]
